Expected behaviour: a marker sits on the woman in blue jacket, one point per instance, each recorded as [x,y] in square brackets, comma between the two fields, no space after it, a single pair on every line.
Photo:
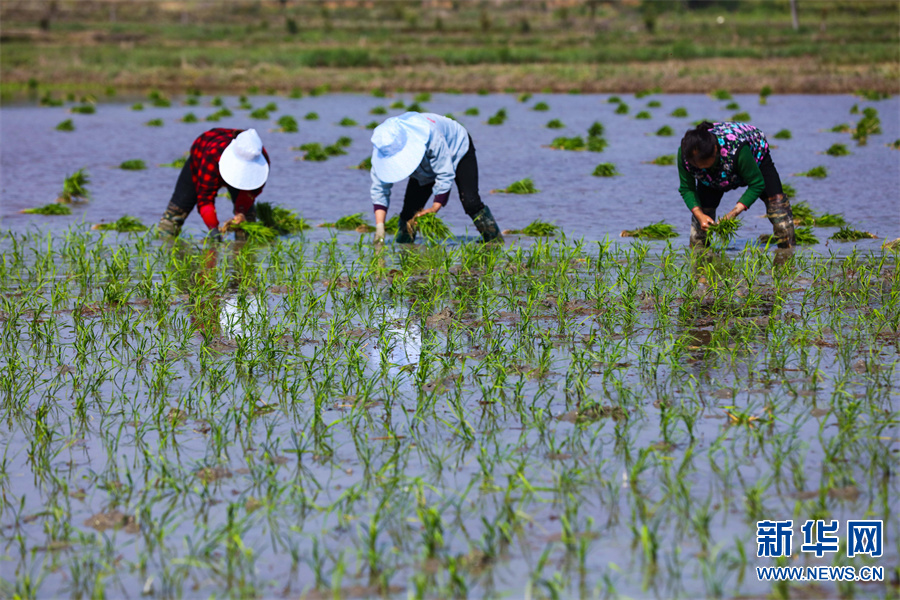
[433,151]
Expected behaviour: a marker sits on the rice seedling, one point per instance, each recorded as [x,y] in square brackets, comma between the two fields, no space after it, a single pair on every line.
[66,125]
[75,187]
[679,112]
[788,190]
[721,94]
[217,101]
[378,110]
[837,150]
[84,109]
[654,104]
[572,143]
[352,222]
[422,97]
[159,100]
[397,105]
[134,164]
[841,128]
[846,234]
[725,230]
[541,107]
[524,97]
[137,106]
[154,123]
[431,227]
[287,124]
[870,124]
[222,113]
[664,160]
[347,122]
[873,95]
[259,113]
[523,186]
[732,106]
[372,125]
[596,144]
[854,110]
[742,117]
[536,228]
[257,233]
[596,129]
[643,115]
[48,209]
[665,131]
[311,116]
[622,109]
[819,172]
[365,164]
[605,170]
[190,118]
[125,224]
[280,219]
[654,231]
[555,124]
[416,107]
[472,112]
[498,118]
[895,144]
[764,94]
[805,236]
[614,100]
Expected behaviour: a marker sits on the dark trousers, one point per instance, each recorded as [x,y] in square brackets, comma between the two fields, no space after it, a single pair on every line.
[709,198]
[185,194]
[466,182]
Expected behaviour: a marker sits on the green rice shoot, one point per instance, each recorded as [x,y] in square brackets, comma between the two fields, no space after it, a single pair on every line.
[75,187]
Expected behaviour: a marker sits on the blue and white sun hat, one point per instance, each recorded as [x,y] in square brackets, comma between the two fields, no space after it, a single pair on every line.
[242,164]
[398,146]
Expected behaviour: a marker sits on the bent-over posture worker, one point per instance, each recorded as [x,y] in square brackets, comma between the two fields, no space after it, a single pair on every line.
[433,151]
[229,158]
[718,157]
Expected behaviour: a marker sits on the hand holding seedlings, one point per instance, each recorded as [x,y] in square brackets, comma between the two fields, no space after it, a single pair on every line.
[704,219]
[433,209]
[734,212]
[232,223]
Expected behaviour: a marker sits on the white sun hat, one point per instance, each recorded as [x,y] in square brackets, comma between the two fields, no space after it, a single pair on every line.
[242,164]
[398,146]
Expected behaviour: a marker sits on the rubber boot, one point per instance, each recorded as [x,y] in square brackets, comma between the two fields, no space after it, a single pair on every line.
[487,226]
[404,235]
[172,220]
[779,213]
[698,236]
[240,235]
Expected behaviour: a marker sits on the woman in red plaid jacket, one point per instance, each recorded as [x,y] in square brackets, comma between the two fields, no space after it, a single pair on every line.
[230,158]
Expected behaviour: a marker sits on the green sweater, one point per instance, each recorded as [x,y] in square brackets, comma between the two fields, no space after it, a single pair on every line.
[746,168]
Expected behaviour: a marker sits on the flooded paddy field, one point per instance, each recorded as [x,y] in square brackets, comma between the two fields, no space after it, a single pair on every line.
[579,416]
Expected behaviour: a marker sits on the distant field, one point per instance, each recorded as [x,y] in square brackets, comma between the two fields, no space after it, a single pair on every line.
[590,46]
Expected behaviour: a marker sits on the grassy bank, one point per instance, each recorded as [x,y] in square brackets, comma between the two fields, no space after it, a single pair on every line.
[839,47]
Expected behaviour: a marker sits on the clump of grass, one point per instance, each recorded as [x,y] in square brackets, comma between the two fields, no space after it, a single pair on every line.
[347,122]
[605,170]
[555,124]
[75,187]
[741,117]
[177,163]
[523,186]
[190,118]
[596,129]
[536,228]
[49,209]
[280,219]
[819,172]
[725,229]
[654,231]
[622,109]
[665,131]
[721,94]
[498,118]
[643,115]
[154,123]
[837,150]
[66,125]
[311,116]
[84,109]
[472,112]
[378,110]
[431,227]
[566,143]
[664,160]
[123,225]
[679,112]
[541,107]
[784,134]
[287,124]
[134,164]
[846,234]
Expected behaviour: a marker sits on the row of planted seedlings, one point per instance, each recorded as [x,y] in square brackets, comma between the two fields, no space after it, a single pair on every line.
[439,421]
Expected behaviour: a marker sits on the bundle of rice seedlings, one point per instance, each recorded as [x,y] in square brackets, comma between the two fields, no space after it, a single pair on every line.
[622,109]
[133,165]
[347,122]
[223,113]
[282,220]
[788,190]
[555,124]
[499,117]
[742,117]
[314,151]
[311,116]
[66,125]
[365,164]
[819,172]
[154,123]
[416,107]
[472,112]
[257,232]
[523,186]
[654,231]
[536,228]
[524,97]
[837,150]
[784,134]
[605,170]
[846,234]
[596,129]
[48,209]
[664,160]
[349,223]
[431,227]
[654,104]
[84,109]
[805,237]
[124,224]
[732,106]
[841,128]
[260,113]
[596,144]
[572,143]
[541,106]
[665,131]
[75,187]
[190,118]
[721,94]
[287,124]
[334,150]
[679,112]
[378,110]
[725,229]
[177,163]
[392,225]
[829,220]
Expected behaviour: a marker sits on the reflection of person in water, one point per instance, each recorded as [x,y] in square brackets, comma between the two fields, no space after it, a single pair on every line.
[717,157]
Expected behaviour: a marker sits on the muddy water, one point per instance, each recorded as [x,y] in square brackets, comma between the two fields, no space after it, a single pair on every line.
[35,158]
